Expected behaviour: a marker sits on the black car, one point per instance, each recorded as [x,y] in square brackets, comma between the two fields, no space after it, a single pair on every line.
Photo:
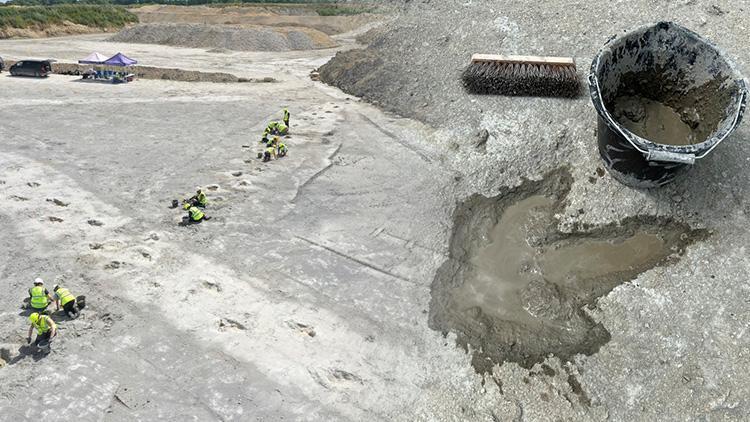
[37,68]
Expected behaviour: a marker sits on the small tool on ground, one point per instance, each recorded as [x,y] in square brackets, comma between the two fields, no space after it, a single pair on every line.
[522,76]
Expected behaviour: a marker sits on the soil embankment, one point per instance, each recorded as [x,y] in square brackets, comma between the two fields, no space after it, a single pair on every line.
[306,16]
[61,20]
[226,37]
[162,73]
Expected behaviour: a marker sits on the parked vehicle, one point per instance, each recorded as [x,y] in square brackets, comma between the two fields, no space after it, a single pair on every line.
[2,64]
[37,68]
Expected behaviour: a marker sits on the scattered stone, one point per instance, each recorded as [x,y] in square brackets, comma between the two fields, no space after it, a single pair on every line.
[226,323]
[481,139]
[33,184]
[58,202]
[600,172]
[146,255]
[153,236]
[55,219]
[18,198]
[113,265]
[370,338]
[211,286]
[95,246]
[237,173]
[302,328]
[340,374]
[212,187]
[677,198]
[95,223]
[716,10]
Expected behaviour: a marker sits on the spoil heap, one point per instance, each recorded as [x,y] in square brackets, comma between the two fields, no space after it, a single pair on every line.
[226,37]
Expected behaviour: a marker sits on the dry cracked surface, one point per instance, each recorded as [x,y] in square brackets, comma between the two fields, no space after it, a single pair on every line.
[314,292]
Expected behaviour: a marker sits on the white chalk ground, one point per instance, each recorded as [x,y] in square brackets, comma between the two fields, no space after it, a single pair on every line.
[306,296]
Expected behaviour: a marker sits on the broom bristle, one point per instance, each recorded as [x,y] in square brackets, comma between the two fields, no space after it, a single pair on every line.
[522,79]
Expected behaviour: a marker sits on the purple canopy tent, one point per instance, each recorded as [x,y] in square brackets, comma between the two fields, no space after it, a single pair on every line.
[120,59]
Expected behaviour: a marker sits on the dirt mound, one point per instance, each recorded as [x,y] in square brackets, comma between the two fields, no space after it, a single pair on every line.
[226,37]
[413,64]
[265,15]
[162,73]
[68,28]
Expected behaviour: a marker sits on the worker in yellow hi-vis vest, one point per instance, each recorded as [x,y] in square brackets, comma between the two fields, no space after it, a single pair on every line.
[70,304]
[39,297]
[46,330]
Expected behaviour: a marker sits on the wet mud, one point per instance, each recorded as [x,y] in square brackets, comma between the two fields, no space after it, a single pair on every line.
[655,121]
[663,111]
[514,288]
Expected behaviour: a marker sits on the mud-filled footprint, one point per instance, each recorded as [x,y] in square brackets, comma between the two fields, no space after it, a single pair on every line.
[515,288]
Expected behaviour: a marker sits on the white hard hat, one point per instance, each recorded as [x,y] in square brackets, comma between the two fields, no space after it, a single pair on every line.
[38,281]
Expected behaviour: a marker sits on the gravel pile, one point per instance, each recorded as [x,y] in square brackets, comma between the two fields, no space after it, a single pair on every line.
[225,37]
[413,64]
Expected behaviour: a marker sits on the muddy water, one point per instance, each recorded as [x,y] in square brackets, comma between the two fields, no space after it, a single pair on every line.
[597,258]
[656,122]
[504,268]
[514,288]
[499,268]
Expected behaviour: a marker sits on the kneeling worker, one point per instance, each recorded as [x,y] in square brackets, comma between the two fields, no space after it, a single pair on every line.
[64,298]
[271,128]
[269,152]
[282,150]
[199,199]
[46,329]
[39,297]
[195,215]
[286,116]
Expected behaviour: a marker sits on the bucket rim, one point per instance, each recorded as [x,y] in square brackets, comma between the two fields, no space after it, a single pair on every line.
[663,152]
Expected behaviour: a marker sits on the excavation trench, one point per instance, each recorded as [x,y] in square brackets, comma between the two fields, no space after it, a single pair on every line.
[514,288]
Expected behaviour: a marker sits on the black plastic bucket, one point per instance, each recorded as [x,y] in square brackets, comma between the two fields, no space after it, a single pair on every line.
[665,97]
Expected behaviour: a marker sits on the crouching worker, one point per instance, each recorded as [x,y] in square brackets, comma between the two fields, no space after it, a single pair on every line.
[46,330]
[270,129]
[70,305]
[195,215]
[282,150]
[199,199]
[39,297]
[268,153]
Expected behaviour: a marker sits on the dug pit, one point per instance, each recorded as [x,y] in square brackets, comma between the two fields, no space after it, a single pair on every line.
[516,289]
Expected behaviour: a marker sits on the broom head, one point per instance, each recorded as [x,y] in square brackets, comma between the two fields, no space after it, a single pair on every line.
[522,76]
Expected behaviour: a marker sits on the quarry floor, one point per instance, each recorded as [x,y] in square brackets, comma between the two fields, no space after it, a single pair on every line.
[307,296]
